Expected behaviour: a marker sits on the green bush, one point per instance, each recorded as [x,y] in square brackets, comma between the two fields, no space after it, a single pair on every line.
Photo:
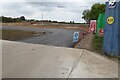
[98,47]
[98,43]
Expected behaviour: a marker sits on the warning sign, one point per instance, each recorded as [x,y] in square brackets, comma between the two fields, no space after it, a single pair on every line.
[101,31]
[92,26]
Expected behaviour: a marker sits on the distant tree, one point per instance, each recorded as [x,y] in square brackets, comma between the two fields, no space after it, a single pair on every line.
[86,15]
[55,21]
[0,18]
[32,20]
[73,22]
[22,18]
[96,9]
[6,19]
[37,20]
[49,20]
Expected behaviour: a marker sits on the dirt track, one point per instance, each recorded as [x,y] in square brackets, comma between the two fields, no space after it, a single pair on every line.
[50,25]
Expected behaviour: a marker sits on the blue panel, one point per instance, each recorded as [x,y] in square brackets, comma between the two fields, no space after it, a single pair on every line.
[107,41]
[112,31]
[119,29]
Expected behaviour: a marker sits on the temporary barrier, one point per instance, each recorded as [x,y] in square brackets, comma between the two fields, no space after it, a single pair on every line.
[112,28]
[100,24]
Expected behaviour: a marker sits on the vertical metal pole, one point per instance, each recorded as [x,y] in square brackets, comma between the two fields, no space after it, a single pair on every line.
[42,18]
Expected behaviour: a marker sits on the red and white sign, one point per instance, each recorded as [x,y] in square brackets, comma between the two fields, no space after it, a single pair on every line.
[101,31]
[92,26]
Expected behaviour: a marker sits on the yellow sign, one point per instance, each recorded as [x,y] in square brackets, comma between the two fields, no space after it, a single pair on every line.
[110,20]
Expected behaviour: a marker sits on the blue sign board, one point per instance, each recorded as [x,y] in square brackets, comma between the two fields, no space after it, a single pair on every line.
[76,37]
[112,29]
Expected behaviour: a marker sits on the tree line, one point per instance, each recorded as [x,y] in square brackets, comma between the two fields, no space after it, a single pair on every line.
[10,19]
[22,19]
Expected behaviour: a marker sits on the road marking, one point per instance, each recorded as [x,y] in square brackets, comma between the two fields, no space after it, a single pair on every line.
[75,65]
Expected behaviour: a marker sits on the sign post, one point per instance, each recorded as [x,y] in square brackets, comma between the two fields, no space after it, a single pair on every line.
[101,32]
[76,37]
[92,26]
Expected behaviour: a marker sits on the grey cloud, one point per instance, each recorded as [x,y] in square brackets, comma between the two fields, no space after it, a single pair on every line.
[54,10]
[16,8]
[61,6]
[51,6]
[12,5]
[46,4]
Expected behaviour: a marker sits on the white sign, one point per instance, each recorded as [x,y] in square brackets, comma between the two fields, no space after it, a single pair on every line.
[112,3]
[92,26]
[76,37]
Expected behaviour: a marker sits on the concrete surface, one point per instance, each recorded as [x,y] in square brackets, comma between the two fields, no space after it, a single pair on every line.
[23,60]
[54,37]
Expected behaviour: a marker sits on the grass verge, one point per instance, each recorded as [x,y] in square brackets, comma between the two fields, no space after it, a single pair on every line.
[15,34]
[98,47]
[98,43]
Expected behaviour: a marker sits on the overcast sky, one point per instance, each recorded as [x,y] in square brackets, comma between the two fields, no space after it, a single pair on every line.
[60,10]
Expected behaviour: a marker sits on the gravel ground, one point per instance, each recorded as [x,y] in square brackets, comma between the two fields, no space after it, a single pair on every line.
[86,42]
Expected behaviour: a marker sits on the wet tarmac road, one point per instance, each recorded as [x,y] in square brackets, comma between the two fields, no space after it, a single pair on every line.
[53,37]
